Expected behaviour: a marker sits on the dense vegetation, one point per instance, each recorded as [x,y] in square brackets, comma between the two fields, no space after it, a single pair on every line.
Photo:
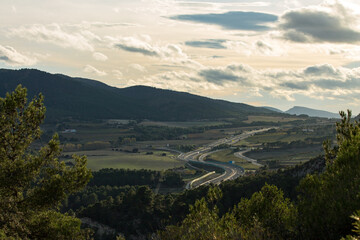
[33,184]
[322,208]
[318,200]
[88,99]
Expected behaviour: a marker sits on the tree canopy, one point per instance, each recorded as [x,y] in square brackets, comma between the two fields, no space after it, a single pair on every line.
[33,183]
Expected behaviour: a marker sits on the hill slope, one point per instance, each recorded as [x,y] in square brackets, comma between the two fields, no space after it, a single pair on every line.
[312,112]
[90,99]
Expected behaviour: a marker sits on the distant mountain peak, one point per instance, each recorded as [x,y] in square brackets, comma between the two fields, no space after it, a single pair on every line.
[299,110]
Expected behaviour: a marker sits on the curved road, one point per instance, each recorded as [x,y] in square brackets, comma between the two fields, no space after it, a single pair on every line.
[230,171]
[250,160]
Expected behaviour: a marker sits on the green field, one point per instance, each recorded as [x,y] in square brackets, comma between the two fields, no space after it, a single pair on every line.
[184,124]
[281,135]
[107,158]
[276,119]
[287,157]
[228,155]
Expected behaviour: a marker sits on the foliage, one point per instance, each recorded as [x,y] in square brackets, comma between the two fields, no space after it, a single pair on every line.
[33,184]
[173,179]
[203,222]
[122,177]
[269,209]
[326,201]
[136,211]
[356,229]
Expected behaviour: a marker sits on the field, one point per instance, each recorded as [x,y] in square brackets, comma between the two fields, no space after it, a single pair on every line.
[107,158]
[252,119]
[287,157]
[184,124]
[108,134]
[286,135]
[228,155]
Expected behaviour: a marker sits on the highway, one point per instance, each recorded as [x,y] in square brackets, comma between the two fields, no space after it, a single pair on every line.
[250,160]
[231,171]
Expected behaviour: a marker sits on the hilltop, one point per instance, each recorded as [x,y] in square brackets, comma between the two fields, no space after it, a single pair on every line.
[297,110]
[87,99]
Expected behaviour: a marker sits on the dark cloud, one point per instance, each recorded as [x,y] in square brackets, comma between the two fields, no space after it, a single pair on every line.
[210,43]
[325,69]
[350,83]
[219,76]
[297,86]
[143,51]
[5,58]
[252,21]
[309,25]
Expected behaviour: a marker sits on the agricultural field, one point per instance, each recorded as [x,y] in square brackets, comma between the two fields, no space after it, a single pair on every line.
[290,134]
[228,155]
[184,124]
[275,119]
[286,157]
[107,158]
[97,139]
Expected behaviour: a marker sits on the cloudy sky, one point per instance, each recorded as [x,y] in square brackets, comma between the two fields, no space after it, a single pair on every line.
[279,53]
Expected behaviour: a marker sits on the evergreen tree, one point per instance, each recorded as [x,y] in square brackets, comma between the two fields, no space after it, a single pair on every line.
[327,200]
[34,183]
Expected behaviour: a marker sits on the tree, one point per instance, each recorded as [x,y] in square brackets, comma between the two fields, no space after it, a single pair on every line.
[266,215]
[327,200]
[356,229]
[34,183]
[203,222]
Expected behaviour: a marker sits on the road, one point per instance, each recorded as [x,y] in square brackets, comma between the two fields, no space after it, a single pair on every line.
[250,160]
[231,171]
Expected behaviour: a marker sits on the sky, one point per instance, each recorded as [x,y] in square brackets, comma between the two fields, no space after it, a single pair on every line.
[279,53]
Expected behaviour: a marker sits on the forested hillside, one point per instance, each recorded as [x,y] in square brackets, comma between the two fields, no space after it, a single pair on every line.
[88,99]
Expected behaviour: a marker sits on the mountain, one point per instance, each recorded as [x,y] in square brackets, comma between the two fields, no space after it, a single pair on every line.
[312,112]
[89,99]
[273,109]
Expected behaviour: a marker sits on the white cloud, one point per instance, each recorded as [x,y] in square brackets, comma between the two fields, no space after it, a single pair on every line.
[138,67]
[100,57]
[12,57]
[118,74]
[93,70]
[54,34]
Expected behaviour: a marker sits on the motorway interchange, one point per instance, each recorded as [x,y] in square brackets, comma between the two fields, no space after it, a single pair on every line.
[231,171]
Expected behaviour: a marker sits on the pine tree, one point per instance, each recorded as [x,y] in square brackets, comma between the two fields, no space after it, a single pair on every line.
[34,183]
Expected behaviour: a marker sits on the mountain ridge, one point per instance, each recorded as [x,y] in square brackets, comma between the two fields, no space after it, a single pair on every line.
[83,98]
[298,110]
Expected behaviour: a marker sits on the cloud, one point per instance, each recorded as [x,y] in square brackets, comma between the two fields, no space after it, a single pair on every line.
[318,82]
[355,64]
[93,70]
[138,67]
[250,21]
[219,76]
[322,70]
[143,45]
[100,57]
[118,74]
[12,57]
[328,23]
[210,43]
[85,24]
[54,34]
